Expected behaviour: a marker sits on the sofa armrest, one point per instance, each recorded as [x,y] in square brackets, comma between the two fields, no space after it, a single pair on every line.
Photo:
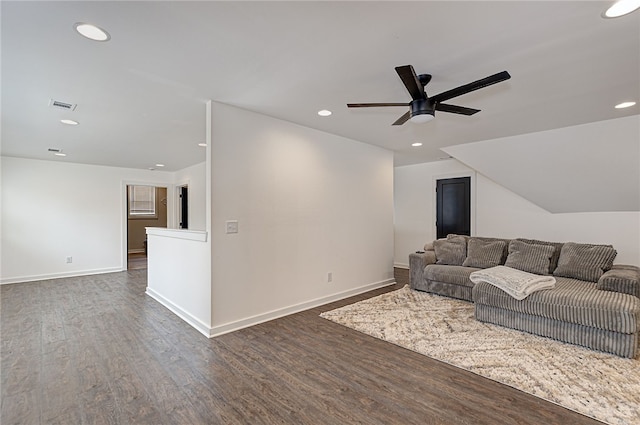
[417,263]
[621,278]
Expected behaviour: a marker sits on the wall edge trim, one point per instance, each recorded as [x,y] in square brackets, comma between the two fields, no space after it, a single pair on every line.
[296,308]
[49,276]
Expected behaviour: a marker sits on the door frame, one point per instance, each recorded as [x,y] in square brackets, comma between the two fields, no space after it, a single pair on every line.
[125,213]
[434,198]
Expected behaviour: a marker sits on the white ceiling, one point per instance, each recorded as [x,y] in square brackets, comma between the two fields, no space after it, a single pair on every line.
[141,95]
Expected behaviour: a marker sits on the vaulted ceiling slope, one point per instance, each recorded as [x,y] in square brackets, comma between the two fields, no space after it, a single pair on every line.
[587,168]
[140,96]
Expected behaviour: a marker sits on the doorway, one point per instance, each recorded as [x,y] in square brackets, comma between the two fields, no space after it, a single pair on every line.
[453,206]
[183,206]
[146,207]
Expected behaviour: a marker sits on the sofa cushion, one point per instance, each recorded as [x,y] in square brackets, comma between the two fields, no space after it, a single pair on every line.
[452,251]
[621,278]
[573,301]
[556,252]
[483,253]
[455,275]
[529,258]
[585,261]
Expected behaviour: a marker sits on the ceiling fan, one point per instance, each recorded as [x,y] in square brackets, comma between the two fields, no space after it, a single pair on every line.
[422,108]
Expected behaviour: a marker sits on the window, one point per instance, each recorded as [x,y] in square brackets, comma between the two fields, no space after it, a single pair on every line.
[142,202]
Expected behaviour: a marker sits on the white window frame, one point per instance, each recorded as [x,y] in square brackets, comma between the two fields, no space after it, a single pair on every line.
[144,207]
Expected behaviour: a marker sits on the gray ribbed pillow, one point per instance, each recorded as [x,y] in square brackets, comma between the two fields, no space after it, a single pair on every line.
[529,257]
[585,261]
[483,253]
[451,251]
[556,253]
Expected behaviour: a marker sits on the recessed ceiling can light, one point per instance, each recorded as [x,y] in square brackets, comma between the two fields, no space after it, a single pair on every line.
[621,8]
[416,144]
[202,145]
[60,154]
[624,105]
[159,165]
[324,113]
[91,32]
[69,122]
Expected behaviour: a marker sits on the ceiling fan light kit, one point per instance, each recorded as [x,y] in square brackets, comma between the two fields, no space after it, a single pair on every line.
[422,108]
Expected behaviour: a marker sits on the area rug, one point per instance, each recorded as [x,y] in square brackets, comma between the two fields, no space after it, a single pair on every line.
[599,385]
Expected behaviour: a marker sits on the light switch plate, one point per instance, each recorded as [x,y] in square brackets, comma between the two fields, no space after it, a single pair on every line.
[232,226]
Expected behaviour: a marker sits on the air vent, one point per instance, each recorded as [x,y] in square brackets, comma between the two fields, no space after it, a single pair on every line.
[62,105]
[53,150]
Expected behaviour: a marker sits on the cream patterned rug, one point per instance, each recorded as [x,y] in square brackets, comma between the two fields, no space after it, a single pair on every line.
[599,385]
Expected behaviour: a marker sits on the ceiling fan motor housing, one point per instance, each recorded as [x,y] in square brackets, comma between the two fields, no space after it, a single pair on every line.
[422,107]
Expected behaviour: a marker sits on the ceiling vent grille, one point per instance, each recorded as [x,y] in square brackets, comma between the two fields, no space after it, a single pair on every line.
[62,105]
[53,150]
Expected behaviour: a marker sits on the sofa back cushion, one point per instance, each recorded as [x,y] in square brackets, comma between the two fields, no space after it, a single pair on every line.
[556,253]
[529,257]
[484,253]
[451,251]
[585,261]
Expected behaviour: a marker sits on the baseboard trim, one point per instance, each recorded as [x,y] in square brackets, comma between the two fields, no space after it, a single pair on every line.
[400,266]
[195,323]
[48,276]
[275,314]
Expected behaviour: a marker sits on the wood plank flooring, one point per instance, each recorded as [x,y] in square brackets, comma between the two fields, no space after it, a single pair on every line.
[97,350]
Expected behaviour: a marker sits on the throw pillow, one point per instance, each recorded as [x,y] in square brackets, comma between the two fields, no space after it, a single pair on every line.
[556,252]
[483,253]
[529,258]
[451,251]
[585,261]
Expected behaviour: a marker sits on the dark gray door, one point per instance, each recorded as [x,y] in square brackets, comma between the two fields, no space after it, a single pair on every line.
[184,207]
[453,209]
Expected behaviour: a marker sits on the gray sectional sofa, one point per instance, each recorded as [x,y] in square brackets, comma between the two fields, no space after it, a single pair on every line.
[595,303]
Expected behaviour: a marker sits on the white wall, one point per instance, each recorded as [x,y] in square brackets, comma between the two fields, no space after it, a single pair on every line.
[307,203]
[52,210]
[179,274]
[591,167]
[502,213]
[415,214]
[195,178]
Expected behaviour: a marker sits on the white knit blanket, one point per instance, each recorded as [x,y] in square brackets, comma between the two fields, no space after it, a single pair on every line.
[514,282]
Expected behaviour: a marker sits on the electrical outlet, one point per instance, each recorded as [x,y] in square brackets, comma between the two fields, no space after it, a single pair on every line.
[329,277]
[69,260]
[232,226]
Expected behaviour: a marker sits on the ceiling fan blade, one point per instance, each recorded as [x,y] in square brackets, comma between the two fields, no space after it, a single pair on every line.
[459,91]
[403,119]
[455,109]
[411,81]
[373,105]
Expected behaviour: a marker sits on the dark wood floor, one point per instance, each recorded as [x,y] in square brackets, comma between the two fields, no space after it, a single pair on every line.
[97,350]
[136,261]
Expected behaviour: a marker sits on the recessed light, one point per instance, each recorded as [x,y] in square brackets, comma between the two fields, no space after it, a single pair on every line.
[159,165]
[92,32]
[416,144]
[324,113]
[69,122]
[60,154]
[624,105]
[621,8]
[202,145]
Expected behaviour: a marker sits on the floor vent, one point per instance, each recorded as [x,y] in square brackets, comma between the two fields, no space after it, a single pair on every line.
[62,105]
